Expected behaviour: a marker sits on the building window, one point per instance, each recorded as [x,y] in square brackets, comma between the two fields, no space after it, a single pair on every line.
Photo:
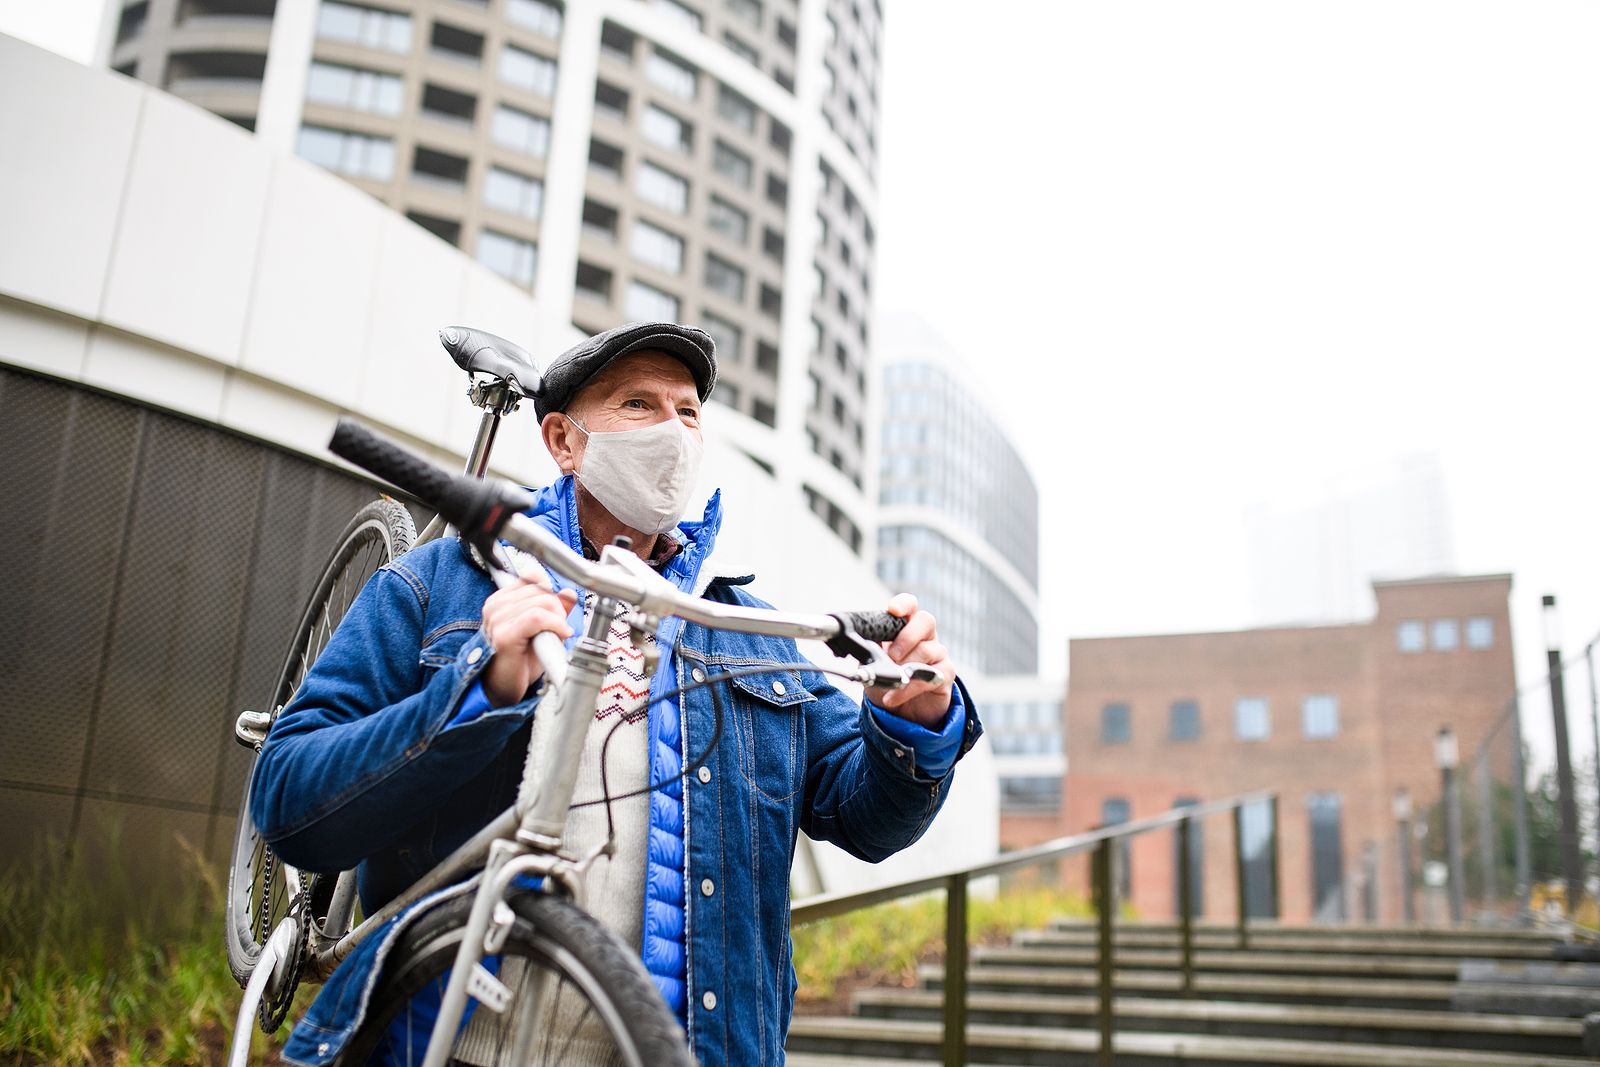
[670,75]
[1041,793]
[352,87]
[610,101]
[729,221]
[599,221]
[513,193]
[656,247]
[1480,632]
[1114,811]
[766,358]
[364,26]
[1116,724]
[646,303]
[511,257]
[1446,635]
[605,160]
[1260,879]
[1327,857]
[732,164]
[771,302]
[1197,866]
[1409,636]
[514,128]
[736,109]
[723,277]
[536,15]
[356,154]
[456,44]
[662,188]
[741,49]
[764,412]
[1183,721]
[593,283]
[747,10]
[528,71]
[729,338]
[684,16]
[447,105]
[1252,719]
[663,128]
[1319,715]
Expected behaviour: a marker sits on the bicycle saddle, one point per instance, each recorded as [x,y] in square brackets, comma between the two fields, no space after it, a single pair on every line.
[481,352]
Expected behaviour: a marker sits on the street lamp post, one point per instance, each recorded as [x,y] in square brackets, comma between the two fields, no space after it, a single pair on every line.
[1571,857]
[1448,756]
[1402,818]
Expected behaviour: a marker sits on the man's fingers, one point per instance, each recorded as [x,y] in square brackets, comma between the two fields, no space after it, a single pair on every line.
[903,605]
[919,628]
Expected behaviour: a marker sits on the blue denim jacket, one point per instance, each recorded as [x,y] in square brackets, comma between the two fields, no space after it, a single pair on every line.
[371,735]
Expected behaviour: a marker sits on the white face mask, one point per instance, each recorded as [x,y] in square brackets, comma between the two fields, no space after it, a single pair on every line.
[644,476]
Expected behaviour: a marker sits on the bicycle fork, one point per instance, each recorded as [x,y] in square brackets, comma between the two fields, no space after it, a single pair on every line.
[544,814]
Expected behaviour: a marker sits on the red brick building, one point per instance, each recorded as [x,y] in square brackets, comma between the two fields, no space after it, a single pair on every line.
[1334,718]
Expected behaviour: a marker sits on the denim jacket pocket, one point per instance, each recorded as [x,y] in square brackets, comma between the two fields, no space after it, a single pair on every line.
[769,721]
[439,648]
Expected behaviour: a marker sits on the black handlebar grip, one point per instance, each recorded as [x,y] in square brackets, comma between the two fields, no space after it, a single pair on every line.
[874,625]
[477,508]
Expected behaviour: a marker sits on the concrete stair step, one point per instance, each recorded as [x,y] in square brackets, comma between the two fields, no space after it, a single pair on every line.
[887,1039]
[1332,991]
[1250,960]
[1473,948]
[1378,1026]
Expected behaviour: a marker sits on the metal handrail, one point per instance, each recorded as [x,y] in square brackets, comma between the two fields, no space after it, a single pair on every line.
[954,883]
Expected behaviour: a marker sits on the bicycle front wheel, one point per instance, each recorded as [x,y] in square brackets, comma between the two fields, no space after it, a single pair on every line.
[579,996]
[257,894]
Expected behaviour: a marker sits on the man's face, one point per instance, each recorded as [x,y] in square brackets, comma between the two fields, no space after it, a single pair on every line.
[637,390]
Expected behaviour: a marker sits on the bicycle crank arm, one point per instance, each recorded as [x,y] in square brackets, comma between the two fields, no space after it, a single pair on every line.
[276,949]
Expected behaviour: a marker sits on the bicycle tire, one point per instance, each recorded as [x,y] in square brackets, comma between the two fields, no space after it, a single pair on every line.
[622,1013]
[256,898]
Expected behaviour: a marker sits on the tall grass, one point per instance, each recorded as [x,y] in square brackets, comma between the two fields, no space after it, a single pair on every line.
[884,944]
[96,968]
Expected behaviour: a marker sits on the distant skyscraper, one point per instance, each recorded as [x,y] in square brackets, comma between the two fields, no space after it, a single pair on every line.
[1314,554]
[959,525]
[708,161]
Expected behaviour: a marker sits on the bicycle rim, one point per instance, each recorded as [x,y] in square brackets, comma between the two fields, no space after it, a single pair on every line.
[257,897]
[581,995]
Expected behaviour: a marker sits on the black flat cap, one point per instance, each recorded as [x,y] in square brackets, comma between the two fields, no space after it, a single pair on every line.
[578,365]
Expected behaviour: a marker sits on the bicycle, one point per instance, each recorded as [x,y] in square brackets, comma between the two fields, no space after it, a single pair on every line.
[551,942]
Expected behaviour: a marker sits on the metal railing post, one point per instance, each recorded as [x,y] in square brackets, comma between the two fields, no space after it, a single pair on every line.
[1272,858]
[1105,906]
[1239,875]
[1489,891]
[1186,905]
[955,971]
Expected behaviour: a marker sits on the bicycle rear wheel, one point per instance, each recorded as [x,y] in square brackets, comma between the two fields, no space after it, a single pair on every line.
[257,896]
[596,1006]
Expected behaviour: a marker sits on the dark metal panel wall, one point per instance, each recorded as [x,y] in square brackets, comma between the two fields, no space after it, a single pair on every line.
[151,568]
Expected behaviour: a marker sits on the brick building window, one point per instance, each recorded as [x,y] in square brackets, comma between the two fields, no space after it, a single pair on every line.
[1446,635]
[1480,632]
[1183,721]
[1252,719]
[1409,636]
[1327,856]
[1319,715]
[1114,811]
[1116,724]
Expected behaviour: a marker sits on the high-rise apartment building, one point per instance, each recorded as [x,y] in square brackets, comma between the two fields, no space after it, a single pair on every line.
[707,161]
[959,524]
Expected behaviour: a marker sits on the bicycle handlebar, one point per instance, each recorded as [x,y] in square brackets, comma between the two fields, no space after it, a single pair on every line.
[488,509]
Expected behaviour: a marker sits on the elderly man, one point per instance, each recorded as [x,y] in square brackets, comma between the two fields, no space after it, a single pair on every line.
[410,733]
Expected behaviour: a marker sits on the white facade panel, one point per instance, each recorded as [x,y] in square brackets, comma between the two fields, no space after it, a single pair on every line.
[187,235]
[149,371]
[84,126]
[313,284]
[42,340]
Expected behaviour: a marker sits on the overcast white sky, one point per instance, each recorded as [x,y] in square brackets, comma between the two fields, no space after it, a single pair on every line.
[1214,251]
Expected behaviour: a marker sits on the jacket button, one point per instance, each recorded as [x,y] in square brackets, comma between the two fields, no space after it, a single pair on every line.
[475,655]
[899,753]
[698,675]
[710,1001]
[704,774]
[777,687]
[707,887]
